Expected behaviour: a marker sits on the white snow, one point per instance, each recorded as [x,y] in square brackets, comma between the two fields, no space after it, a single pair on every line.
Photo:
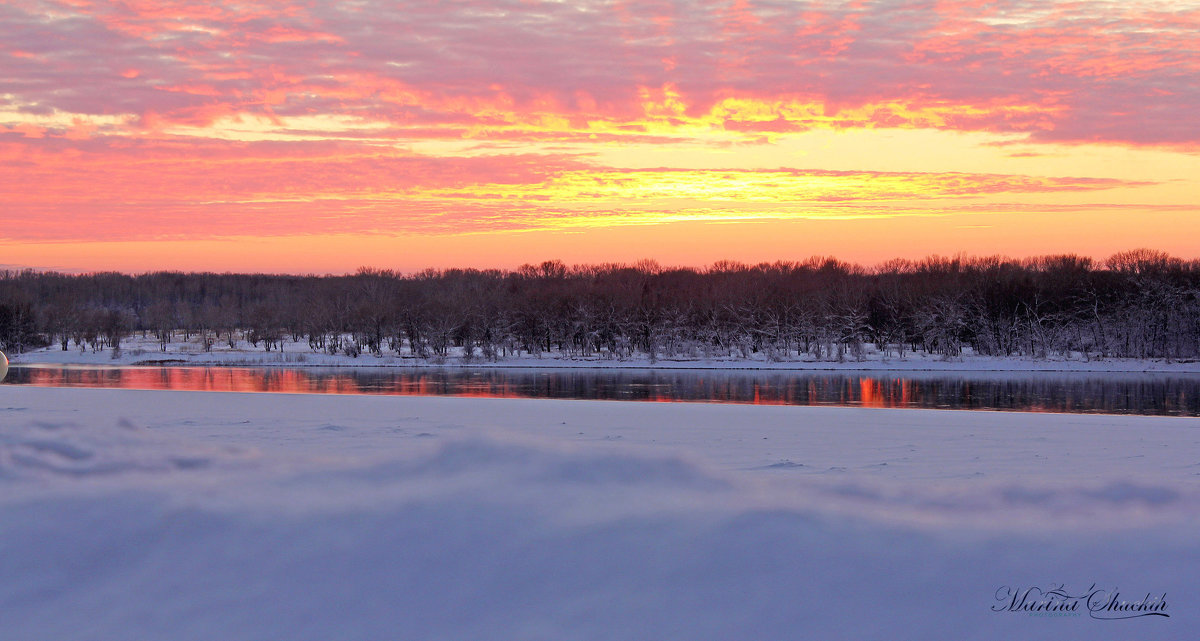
[139,350]
[188,515]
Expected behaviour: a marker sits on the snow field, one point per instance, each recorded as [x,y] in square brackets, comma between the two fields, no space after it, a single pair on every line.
[137,514]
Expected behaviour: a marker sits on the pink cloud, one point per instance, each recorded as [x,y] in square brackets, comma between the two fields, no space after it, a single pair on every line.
[506,59]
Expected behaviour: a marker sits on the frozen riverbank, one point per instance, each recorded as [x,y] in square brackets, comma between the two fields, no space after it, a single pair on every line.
[132,514]
[146,351]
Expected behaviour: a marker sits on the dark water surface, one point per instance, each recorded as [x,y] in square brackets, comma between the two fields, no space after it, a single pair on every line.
[1149,394]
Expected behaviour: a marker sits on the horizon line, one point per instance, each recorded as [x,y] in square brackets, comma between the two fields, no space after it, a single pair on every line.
[814,261]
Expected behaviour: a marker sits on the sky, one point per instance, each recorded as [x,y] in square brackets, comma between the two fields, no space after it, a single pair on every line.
[319,137]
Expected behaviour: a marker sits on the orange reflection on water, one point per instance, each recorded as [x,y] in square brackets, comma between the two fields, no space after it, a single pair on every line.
[1177,396]
[869,393]
[293,381]
[195,379]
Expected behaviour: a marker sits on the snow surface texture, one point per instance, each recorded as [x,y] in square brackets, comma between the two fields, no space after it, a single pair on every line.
[145,351]
[176,515]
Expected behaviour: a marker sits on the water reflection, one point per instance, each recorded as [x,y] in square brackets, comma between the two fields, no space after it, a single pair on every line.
[1177,395]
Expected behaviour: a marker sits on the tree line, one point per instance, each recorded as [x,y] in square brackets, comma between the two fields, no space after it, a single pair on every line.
[1136,304]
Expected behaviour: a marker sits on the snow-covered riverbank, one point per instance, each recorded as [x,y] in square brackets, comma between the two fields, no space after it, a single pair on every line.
[136,514]
[147,351]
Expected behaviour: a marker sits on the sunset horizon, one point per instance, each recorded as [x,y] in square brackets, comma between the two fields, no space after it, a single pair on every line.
[257,137]
[404,270]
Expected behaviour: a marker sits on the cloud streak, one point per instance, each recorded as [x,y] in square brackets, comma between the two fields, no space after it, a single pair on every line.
[108,189]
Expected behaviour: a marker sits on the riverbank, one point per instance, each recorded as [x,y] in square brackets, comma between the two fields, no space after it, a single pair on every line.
[147,351]
[139,514]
